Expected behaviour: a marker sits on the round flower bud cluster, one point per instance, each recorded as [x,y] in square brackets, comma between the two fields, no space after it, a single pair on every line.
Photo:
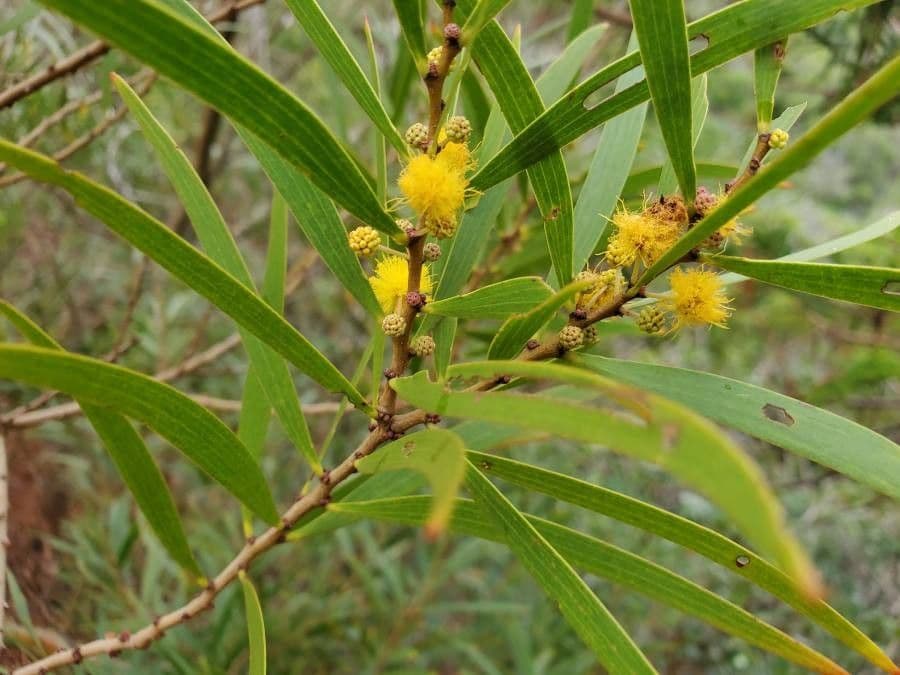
[440,228]
[417,136]
[423,345]
[364,241]
[778,139]
[571,337]
[590,335]
[431,251]
[605,287]
[393,325]
[651,320]
[458,129]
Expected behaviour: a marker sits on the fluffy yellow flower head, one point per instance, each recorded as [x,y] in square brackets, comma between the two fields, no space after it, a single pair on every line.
[433,187]
[640,237]
[389,282]
[697,298]
[456,156]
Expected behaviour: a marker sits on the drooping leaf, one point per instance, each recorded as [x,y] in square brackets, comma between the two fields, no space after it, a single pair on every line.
[214,235]
[681,442]
[437,454]
[877,90]
[335,51]
[199,434]
[518,329]
[183,51]
[607,174]
[708,543]
[871,286]
[130,455]
[494,301]
[595,556]
[187,264]
[585,613]
[767,64]
[256,627]
[730,32]
[809,431]
[661,30]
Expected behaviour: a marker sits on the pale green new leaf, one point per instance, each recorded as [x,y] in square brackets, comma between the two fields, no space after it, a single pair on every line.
[871,286]
[595,556]
[173,45]
[200,435]
[681,442]
[661,30]
[811,432]
[216,238]
[707,542]
[437,454]
[767,64]
[484,11]
[730,32]
[880,88]
[130,455]
[494,301]
[584,612]
[256,627]
[333,49]
[518,329]
[187,264]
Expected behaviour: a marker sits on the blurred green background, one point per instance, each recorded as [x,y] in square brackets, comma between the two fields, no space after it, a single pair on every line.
[377,598]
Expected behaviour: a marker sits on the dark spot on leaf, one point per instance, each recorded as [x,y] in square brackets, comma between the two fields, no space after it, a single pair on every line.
[742,561]
[670,435]
[486,465]
[408,447]
[778,414]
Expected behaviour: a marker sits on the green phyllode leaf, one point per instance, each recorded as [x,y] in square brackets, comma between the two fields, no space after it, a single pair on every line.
[494,301]
[256,627]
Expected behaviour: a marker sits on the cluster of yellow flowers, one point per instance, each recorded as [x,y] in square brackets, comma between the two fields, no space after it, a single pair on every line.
[390,279]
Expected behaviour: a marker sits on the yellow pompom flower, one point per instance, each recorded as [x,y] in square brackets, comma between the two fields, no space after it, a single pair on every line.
[697,298]
[433,188]
[389,283]
[456,156]
[640,237]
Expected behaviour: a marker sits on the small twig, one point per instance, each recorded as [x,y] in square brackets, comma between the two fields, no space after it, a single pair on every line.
[759,154]
[92,52]
[437,73]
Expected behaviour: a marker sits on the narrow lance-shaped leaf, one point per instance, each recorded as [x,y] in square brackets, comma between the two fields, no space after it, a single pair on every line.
[561,73]
[520,102]
[130,455]
[412,24]
[517,329]
[379,141]
[437,454]
[707,542]
[877,90]
[484,11]
[811,432]
[216,238]
[699,109]
[871,286]
[183,51]
[767,64]
[729,33]
[256,627]
[494,301]
[200,435]
[187,264]
[684,444]
[661,30]
[608,172]
[584,612]
[595,556]
[334,50]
